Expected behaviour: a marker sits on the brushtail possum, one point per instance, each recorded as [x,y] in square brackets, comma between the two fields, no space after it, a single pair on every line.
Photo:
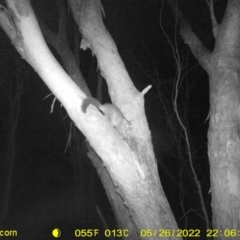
[113,113]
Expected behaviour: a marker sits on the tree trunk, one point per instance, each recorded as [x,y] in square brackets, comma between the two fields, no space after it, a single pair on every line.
[224,143]
[129,170]
[223,67]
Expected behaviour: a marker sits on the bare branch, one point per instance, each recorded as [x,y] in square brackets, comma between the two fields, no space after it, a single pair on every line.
[190,38]
[213,18]
[59,42]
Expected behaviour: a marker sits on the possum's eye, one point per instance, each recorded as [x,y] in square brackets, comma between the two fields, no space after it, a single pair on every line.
[129,125]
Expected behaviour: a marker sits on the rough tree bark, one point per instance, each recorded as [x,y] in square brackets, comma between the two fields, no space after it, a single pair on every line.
[223,68]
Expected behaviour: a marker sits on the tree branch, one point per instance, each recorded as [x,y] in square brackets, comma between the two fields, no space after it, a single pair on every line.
[213,19]
[190,38]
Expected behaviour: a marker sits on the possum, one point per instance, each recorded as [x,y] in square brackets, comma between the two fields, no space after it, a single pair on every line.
[112,112]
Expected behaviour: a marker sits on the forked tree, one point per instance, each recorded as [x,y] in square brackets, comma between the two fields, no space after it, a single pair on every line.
[222,66]
[123,157]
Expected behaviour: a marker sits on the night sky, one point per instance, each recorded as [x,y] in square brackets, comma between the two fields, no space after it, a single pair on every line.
[51,176]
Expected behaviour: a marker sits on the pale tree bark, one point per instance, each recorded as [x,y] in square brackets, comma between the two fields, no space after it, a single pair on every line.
[60,43]
[129,170]
[222,66]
